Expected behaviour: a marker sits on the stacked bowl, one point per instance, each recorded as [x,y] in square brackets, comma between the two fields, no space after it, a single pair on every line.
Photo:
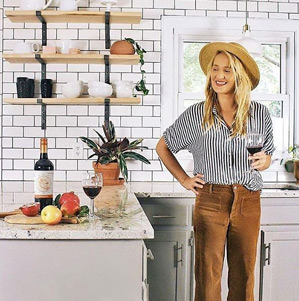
[99,89]
[73,89]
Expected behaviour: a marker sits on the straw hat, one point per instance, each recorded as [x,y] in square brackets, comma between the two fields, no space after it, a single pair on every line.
[209,51]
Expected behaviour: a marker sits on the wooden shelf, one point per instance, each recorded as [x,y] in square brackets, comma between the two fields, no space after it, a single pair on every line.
[90,58]
[18,16]
[72,101]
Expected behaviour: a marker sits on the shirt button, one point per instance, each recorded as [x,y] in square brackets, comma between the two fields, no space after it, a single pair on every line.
[235,187]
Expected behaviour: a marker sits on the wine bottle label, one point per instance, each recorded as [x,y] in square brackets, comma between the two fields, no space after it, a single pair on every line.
[43,183]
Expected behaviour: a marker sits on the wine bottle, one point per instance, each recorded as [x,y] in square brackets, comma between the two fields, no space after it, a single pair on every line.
[43,177]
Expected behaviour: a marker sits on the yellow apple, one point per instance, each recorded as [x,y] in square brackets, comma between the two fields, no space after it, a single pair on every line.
[51,215]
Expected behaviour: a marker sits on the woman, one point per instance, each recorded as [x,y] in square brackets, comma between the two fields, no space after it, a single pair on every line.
[227,205]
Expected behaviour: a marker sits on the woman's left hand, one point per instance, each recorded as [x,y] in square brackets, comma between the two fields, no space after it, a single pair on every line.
[260,161]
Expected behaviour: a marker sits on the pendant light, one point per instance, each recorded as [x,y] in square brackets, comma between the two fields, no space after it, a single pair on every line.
[253,46]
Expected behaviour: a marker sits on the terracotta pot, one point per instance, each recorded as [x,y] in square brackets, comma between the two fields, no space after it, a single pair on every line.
[110,171]
[296,170]
[122,47]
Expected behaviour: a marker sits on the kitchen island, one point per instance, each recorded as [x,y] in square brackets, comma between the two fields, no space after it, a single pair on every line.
[104,259]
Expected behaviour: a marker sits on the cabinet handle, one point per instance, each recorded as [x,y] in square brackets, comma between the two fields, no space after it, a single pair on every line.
[163,216]
[150,254]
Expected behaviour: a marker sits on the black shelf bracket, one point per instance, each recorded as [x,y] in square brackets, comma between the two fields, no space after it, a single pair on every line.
[107,30]
[107,111]
[43,113]
[43,64]
[107,69]
[44,27]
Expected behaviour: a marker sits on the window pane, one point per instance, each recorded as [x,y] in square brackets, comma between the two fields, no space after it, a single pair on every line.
[269,66]
[194,79]
[275,107]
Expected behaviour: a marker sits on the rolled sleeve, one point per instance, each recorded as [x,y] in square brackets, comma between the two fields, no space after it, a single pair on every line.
[181,134]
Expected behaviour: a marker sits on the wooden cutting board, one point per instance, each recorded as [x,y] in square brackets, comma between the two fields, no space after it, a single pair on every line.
[34,220]
[17,211]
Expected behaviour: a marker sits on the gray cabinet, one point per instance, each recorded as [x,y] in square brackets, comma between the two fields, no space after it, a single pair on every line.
[170,272]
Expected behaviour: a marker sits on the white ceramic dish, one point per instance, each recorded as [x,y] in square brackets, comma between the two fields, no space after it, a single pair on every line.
[71,92]
[100,92]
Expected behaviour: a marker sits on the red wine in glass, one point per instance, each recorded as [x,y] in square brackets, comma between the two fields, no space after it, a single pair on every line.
[252,149]
[92,184]
[254,144]
[92,191]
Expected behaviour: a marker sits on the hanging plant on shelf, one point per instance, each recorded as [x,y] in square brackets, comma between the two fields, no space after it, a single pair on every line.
[140,86]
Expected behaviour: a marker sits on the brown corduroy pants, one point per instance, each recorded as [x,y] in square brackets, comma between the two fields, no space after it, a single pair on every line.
[232,213]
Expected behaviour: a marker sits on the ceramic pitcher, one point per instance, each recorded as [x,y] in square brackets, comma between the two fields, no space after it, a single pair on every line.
[68,5]
[34,4]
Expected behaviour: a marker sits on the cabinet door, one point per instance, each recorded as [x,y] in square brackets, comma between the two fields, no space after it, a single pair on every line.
[167,272]
[280,266]
[145,285]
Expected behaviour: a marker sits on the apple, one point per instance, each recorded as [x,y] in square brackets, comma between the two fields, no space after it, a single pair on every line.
[31,209]
[69,196]
[70,207]
[51,215]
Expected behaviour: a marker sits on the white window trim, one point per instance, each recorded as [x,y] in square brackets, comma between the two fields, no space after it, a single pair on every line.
[173,27]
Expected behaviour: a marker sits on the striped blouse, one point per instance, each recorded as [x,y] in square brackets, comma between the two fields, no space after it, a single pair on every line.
[220,158]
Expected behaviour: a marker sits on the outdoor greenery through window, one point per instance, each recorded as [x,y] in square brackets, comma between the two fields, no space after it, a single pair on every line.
[269,91]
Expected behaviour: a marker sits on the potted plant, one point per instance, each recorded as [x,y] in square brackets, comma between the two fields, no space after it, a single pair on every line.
[112,153]
[130,46]
[289,163]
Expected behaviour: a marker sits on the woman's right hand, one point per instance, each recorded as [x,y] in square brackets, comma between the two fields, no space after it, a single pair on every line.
[194,183]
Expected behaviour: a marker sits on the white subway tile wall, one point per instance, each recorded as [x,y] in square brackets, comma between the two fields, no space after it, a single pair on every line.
[20,125]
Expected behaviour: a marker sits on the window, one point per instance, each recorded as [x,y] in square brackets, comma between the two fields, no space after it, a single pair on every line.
[183,38]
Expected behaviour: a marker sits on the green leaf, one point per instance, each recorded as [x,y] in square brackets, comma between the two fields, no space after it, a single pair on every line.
[89,142]
[84,211]
[123,166]
[136,156]
[56,201]
[101,137]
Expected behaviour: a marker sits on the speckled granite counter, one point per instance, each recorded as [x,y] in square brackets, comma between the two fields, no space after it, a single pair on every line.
[120,215]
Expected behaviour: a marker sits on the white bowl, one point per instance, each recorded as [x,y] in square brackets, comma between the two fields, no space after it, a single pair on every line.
[100,92]
[97,84]
[73,92]
[75,84]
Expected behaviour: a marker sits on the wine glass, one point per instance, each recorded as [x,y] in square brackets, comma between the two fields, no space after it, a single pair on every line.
[92,184]
[254,144]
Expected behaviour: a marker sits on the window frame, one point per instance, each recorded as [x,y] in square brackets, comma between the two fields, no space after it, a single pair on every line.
[174,29]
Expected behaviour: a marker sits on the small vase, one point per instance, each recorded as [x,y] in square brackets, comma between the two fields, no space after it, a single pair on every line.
[110,172]
[296,171]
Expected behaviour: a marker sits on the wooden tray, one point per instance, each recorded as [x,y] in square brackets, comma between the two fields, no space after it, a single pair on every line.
[34,220]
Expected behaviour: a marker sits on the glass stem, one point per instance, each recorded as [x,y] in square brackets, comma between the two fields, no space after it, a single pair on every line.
[91,212]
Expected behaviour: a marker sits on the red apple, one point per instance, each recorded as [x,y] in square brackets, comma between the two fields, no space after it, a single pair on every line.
[70,207]
[51,215]
[31,209]
[69,196]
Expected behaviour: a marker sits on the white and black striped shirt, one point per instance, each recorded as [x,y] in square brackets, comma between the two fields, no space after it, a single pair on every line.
[220,158]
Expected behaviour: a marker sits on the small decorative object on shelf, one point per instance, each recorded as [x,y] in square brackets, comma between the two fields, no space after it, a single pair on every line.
[113,154]
[25,87]
[289,163]
[122,47]
[109,3]
[46,88]
[140,86]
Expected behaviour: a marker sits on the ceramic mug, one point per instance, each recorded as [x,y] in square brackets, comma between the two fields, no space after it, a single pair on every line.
[25,47]
[34,4]
[68,5]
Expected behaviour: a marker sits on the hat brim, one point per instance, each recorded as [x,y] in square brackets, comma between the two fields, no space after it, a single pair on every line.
[208,52]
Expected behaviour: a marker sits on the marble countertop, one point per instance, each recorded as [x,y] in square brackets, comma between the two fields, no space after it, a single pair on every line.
[120,216]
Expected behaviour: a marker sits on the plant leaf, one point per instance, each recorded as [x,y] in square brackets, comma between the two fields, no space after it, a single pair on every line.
[89,142]
[101,137]
[123,166]
[136,156]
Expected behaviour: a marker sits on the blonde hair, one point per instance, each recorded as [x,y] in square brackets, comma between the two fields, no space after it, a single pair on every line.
[243,87]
